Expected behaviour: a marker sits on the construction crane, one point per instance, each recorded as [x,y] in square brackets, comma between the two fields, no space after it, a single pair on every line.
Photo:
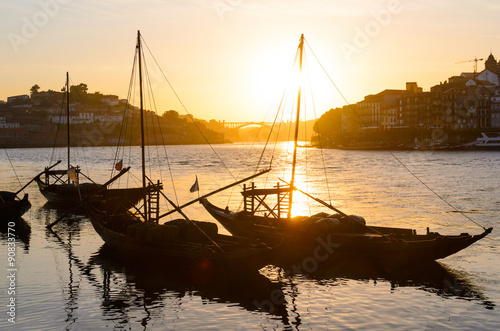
[475,63]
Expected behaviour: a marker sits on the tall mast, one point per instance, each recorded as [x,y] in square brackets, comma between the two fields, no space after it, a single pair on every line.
[296,138]
[139,53]
[67,119]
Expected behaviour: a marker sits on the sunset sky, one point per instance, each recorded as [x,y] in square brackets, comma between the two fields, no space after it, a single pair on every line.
[225,57]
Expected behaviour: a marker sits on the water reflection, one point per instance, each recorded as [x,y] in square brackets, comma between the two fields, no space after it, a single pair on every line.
[130,288]
[431,277]
[51,212]
[134,292]
[154,287]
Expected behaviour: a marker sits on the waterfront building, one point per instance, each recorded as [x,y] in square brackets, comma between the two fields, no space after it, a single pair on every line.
[47,98]
[421,110]
[18,98]
[486,77]
[81,118]
[491,64]
[107,118]
[350,119]
[395,109]
[380,111]
[7,125]
[495,109]
[111,100]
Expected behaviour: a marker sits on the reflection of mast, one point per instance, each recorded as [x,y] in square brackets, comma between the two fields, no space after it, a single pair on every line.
[84,269]
[73,292]
[109,302]
[67,122]
[293,295]
[284,277]
[296,138]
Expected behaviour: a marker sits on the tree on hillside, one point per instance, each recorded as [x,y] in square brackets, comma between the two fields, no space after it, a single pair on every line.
[78,89]
[329,125]
[94,98]
[171,115]
[34,89]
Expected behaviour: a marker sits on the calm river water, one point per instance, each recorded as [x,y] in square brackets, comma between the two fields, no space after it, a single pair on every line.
[70,281]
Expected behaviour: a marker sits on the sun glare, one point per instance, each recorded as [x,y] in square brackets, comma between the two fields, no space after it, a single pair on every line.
[270,74]
[274,72]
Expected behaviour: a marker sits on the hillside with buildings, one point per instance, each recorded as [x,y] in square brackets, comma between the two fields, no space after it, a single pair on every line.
[452,112]
[40,120]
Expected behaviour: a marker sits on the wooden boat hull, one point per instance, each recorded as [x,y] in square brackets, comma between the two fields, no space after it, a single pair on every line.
[415,249]
[239,253]
[71,195]
[395,245]
[65,194]
[12,208]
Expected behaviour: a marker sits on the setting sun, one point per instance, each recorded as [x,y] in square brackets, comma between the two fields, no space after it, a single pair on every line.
[271,74]
[276,71]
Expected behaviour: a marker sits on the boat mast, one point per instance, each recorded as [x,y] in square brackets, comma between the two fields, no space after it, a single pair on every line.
[67,121]
[296,138]
[139,53]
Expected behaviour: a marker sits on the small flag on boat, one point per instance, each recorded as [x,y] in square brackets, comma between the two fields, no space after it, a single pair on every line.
[72,174]
[195,186]
[119,165]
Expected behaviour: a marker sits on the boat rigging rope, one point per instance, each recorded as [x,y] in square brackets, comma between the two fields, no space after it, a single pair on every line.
[148,80]
[187,112]
[319,140]
[269,135]
[316,122]
[335,85]
[124,121]
[68,121]
[12,166]
[57,133]
[434,192]
[79,136]
[152,102]
[394,156]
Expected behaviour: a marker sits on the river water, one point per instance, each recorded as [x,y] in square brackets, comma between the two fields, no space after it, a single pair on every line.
[69,280]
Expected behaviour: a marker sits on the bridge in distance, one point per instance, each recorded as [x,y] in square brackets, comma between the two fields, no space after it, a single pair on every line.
[239,125]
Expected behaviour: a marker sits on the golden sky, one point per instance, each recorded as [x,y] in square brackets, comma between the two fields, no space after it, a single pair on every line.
[226,58]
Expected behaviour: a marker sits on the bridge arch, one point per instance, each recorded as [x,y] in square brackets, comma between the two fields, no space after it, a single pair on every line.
[239,125]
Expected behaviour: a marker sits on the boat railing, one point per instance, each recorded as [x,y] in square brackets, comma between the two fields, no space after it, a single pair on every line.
[257,202]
